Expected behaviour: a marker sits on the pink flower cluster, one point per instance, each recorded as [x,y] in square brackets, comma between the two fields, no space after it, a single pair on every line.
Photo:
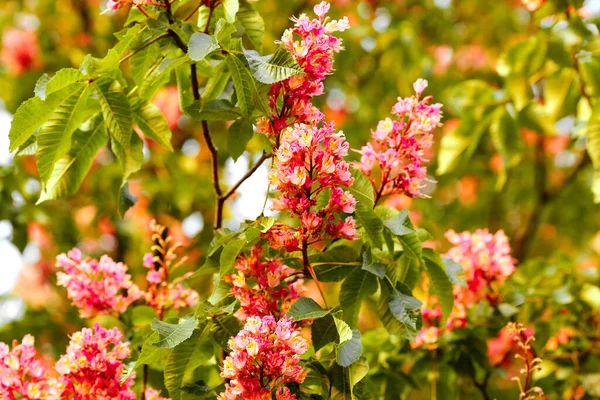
[399,146]
[95,287]
[163,295]
[309,161]
[486,261]
[314,53]
[264,356]
[91,369]
[152,394]
[22,374]
[260,285]
[93,366]
[487,264]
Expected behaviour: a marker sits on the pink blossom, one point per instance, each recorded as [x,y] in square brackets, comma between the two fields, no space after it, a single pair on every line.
[265,355]
[95,287]
[260,286]
[309,161]
[93,366]
[20,51]
[23,375]
[399,146]
[313,45]
[152,394]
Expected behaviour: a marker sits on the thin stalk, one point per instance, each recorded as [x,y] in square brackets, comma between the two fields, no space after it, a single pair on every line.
[311,271]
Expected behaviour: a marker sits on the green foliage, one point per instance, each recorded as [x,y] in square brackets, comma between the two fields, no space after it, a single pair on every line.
[171,335]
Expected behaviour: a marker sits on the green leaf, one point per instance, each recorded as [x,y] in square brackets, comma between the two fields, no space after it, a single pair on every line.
[362,189]
[349,351]
[170,335]
[561,94]
[439,281]
[455,272]
[223,32]
[229,255]
[69,171]
[216,83]
[153,124]
[185,358]
[373,266]
[224,327]
[592,131]
[590,74]
[159,76]
[272,69]
[201,45]
[148,355]
[398,224]
[406,271]
[345,380]
[126,200]
[306,308]
[54,138]
[142,315]
[252,22]
[524,58]
[242,81]
[337,262]
[238,136]
[45,86]
[505,135]
[399,311]
[144,63]
[221,290]
[130,158]
[231,8]
[323,331]
[467,95]
[371,223]
[214,110]
[356,287]
[117,114]
[411,244]
[343,330]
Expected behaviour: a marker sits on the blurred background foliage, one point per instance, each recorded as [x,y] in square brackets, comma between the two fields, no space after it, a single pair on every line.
[518,87]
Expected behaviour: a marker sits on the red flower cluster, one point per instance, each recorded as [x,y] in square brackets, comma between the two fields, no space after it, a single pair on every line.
[314,53]
[93,366]
[264,356]
[94,286]
[308,162]
[399,147]
[23,375]
[260,285]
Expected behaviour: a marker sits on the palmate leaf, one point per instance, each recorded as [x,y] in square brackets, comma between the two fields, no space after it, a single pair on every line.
[214,110]
[46,85]
[130,158]
[69,171]
[117,114]
[242,81]
[399,311]
[371,223]
[142,62]
[238,136]
[229,255]
[349,351]
[224,327]
[356,287]
[344,380]
[201,45]
[252,22]
[216,83]
[362,189]
[231,8]
[159,75]
[184,358]
[171,335]
[34,112]
[272,69]
[306,308]
[54,137]
[323,331]
[152,123]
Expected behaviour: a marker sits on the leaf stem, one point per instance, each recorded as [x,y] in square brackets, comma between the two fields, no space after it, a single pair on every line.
[145,45]
[311,271]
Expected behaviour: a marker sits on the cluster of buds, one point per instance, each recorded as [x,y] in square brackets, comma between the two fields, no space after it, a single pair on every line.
[290,99]
[161,294]
[530,361]
[260,285]
[309,161]
[95,287]
[399,146]
[264,357]
[486,263]
[93,366]
[22,374]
